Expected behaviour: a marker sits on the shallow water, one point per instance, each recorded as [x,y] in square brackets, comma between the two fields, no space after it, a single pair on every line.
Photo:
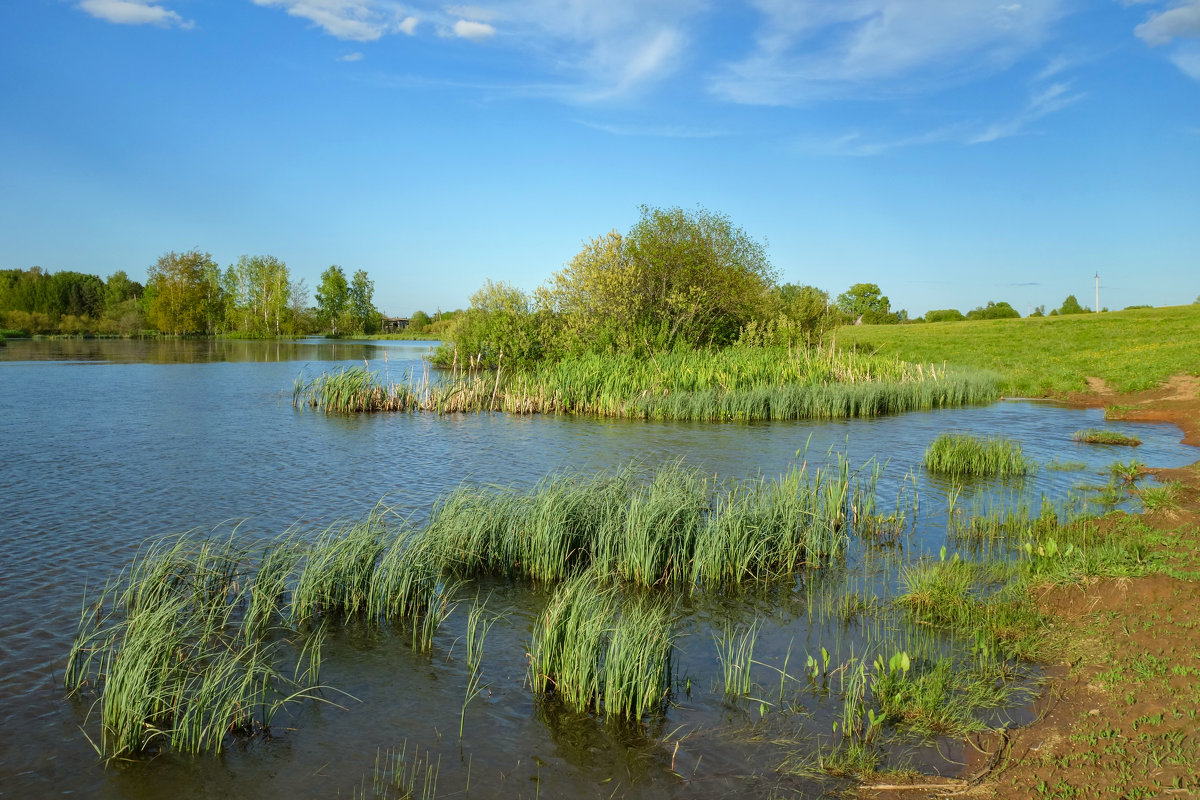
[106,443]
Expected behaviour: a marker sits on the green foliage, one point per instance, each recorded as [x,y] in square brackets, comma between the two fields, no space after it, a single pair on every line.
[257,295]
[333,298]
[419,321]
[994,310]
[944,315]
[183,293]
[802,317]
[863,300]
[365,319]
[679,277]
[1071,306]
[962,454]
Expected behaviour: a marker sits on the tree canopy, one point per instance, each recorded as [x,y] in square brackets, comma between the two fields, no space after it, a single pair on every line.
[678,277]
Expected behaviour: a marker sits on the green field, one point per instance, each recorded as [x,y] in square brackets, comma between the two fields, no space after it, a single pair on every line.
[1050,356]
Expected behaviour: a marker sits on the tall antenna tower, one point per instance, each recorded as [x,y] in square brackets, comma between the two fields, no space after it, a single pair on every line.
[1097,292]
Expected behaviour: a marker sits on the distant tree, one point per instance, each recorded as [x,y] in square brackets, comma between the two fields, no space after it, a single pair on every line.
[361,302]
[678,277]
[944,315]
[994,310]
[419,321]
[178,298]
[864,300]
[1071,306]
[1039,311]
[808,308]
[1132,308]
[333,297]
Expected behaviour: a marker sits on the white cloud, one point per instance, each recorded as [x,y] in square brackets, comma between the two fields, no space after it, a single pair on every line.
[351,57]
[475,31]
[134,12]
[353,20]
[812,49]
[407,26]
[1180,21]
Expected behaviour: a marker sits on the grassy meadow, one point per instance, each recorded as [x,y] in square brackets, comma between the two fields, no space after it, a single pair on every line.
[1048,356]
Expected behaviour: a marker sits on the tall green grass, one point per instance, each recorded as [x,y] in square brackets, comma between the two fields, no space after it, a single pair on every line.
[672,528]
[963,455]
[737,383]
[203,637]
[595,648]
[165,650]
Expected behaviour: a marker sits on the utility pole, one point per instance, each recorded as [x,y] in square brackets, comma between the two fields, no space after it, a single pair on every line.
[1097,292]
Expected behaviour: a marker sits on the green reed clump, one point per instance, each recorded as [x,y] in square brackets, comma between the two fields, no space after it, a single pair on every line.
[337,570]
[596,649]
[735,383]
[674,527]
[962,455]
[163,650]
[1101,436]
[735,652]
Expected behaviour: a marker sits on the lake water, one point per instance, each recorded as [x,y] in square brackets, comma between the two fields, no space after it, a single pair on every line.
[106,443]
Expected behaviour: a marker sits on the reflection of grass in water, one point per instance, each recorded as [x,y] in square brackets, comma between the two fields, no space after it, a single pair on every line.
[1066,466]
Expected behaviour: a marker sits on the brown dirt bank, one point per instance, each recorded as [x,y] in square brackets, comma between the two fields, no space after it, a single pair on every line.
[1121,718]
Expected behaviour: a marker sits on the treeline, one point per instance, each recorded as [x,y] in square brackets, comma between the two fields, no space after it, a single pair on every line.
[186,294]
[33,301]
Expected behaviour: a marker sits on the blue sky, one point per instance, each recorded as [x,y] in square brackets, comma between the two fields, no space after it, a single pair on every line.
[952,151]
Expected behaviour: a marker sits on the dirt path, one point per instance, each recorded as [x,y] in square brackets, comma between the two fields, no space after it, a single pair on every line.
[1122,718]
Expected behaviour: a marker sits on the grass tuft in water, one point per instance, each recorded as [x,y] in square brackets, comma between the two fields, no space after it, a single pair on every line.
[1101,436]
[965,455]
[595,649]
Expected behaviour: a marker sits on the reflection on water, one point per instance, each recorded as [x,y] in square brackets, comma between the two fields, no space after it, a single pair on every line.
[198,351]
[163,436]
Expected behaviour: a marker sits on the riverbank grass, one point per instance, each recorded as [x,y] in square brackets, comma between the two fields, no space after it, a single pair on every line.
[735,383]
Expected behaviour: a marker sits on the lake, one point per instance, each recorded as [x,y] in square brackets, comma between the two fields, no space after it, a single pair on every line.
[104,444]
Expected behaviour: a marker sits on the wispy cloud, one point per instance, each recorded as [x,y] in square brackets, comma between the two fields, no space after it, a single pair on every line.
[1043,102]
[134,12]
[858,144]
[655,131]
[808,50]
[587,52]
[351,57]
